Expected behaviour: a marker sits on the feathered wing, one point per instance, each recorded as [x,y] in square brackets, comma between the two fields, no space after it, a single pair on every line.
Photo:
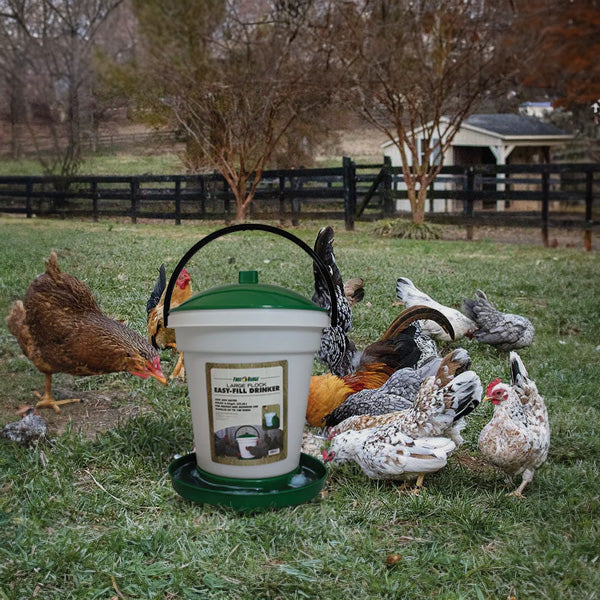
[398,393]
[405,458]
[410,295]
[503,330]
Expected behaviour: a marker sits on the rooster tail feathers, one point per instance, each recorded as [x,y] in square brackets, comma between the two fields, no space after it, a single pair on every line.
[324,249]
[158,290]
[417,313]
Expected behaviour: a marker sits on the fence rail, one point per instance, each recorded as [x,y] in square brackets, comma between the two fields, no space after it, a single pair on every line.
[515,195]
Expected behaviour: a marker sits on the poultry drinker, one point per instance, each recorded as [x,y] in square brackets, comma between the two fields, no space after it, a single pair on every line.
[248,349]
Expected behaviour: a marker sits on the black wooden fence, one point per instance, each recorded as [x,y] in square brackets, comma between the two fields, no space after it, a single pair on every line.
[560,195]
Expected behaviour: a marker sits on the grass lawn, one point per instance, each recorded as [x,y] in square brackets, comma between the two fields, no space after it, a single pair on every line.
[90,513]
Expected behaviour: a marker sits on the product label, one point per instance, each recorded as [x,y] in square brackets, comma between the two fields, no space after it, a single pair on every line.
[247,408]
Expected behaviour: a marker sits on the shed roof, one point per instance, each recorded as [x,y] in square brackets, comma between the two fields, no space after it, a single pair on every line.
[508,124]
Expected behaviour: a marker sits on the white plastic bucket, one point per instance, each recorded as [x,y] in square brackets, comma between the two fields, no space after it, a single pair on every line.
[268,356]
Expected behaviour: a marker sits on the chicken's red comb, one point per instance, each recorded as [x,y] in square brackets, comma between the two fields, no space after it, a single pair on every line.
[183,279]
[492,385]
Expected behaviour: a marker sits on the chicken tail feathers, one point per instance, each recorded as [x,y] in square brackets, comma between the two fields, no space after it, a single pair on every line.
[464,394]
[519,377]
[158,290]
[417,313]
[52,269]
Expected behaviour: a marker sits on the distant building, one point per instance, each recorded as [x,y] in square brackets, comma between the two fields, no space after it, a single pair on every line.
[490,139]
[539,110]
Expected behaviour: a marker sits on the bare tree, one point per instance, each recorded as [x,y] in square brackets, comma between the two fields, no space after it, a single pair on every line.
[234,78]
[417,69]
[49,50]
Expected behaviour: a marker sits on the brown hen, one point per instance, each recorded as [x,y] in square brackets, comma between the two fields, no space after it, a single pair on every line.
[61,329]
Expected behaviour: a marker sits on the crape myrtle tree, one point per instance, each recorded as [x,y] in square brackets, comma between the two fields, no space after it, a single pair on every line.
[234,79]
[417,68]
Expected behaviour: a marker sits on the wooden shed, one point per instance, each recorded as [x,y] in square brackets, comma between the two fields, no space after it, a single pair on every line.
[500,138]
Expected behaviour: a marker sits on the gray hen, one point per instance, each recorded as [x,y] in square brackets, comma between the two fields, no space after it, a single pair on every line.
[505,331]
[27,430]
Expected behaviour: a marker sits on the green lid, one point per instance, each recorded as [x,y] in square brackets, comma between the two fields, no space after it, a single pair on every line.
[248,293]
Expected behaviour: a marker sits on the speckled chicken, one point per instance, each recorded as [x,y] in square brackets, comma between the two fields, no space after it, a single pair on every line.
[505,331]
[384,453]
[438,409]
[517,438]
[401,389]
[410,295]
[337,349]
[27,430]
[418,440]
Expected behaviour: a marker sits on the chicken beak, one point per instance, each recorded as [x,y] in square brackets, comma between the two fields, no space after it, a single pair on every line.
[153,369]
[486,399]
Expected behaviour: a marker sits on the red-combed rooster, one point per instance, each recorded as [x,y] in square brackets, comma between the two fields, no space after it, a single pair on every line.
[162,337]
[61,329]
[399,347]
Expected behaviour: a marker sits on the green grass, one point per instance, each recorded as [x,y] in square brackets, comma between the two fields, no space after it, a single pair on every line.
[462,538]
[109,163]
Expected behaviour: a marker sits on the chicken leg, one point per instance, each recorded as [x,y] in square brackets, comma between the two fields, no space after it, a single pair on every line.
[46,399]
[179,369]
[527,477]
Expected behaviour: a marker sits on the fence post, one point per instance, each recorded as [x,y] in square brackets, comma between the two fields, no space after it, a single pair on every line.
[29,191]
[589,200]
[388,203]
[178,201]
[349,169]
[469,201]
[281,195]
[545,206]
[226,200]
[203,195]
[94,189]
[134,187]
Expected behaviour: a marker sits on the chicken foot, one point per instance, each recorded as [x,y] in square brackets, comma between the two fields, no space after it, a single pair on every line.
[527,477]
[46,399]
[413,490]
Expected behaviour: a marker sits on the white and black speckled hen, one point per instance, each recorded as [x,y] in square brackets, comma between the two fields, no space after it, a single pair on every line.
[415,441]
[517,438]
[505,331]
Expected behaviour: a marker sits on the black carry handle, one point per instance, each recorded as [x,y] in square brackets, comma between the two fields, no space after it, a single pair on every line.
[323,268]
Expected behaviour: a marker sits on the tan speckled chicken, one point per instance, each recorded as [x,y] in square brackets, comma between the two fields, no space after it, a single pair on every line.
[61,329]
[517,438]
